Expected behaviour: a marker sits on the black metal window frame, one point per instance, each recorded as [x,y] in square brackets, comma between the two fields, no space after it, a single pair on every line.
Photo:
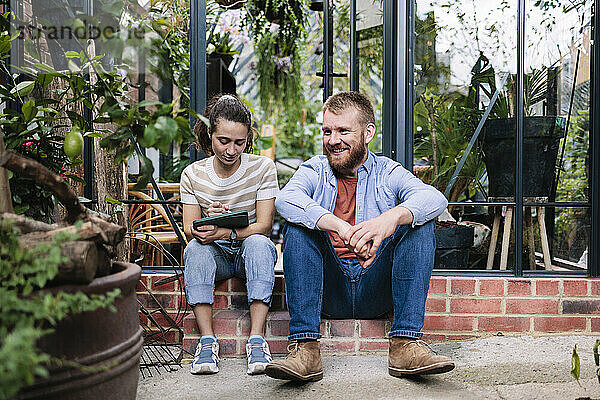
[398,100]
[398,135]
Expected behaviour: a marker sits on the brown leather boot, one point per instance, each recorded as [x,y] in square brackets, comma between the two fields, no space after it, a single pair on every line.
[303,363]
[413,357]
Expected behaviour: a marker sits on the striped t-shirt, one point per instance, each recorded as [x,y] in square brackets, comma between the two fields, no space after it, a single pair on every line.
[255,179]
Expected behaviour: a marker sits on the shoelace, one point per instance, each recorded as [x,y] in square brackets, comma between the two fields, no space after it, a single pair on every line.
[261,347]
[292,350]
[206,346]
[420,343]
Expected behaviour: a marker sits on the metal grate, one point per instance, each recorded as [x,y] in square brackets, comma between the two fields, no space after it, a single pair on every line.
[161,352]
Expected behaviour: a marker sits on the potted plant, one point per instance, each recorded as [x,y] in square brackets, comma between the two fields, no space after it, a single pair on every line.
[220,47]
[69,327]
[92,354]
[226,34]
[541,134]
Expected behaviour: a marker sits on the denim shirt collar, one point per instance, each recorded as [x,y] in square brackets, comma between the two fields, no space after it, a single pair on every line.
[367,167]
[368,164]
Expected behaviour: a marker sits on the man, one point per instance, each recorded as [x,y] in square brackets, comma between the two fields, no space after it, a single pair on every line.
[359,243]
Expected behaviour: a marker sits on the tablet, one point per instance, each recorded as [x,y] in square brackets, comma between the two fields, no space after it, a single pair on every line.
[235,219]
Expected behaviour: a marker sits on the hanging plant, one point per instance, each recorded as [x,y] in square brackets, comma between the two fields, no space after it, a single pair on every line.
[278,29]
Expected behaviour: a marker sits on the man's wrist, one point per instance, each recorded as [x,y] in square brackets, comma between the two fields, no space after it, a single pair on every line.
[402,215]
[343,226]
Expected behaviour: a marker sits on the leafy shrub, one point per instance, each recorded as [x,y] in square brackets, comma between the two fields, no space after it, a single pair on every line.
[28,314]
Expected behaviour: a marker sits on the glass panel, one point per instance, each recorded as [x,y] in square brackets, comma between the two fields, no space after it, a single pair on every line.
[464,51]
[557,109]
[483,238]
[93,64]
[369,26]
[571,237]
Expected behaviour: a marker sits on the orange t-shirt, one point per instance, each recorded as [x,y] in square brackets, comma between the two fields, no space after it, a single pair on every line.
[345,207]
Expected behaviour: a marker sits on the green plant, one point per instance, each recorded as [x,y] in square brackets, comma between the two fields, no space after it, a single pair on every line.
[167,24]
[575,365]
[27,129]
[576,362]
[573,183]
[220,43]
[299,138]
[28,313]
[534,84]
[445,125]
[225,30]
[278,28]
[36,114]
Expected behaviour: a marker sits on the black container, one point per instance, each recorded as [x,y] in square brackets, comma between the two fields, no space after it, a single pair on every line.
[452,246]
[541,139]
[218,77]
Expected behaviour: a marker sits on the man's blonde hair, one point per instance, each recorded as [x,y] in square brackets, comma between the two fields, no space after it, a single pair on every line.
[342,101]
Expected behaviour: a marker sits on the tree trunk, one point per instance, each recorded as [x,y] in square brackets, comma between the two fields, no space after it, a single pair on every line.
[94,229]
[5,195]
[111,180]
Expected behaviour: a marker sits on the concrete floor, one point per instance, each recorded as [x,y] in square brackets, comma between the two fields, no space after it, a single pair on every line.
[492,368]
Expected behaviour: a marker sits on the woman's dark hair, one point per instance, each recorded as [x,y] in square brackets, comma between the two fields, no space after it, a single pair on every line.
[223,107]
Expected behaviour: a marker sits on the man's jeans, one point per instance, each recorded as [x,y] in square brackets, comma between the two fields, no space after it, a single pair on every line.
[317,281]
[252,259]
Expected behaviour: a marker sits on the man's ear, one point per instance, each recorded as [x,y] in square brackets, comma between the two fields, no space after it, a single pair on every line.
[369,133]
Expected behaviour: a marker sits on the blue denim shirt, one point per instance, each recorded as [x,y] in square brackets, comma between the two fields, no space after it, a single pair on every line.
[382,184]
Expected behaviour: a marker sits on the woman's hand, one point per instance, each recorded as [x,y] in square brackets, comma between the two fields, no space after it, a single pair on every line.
[217,208]
[207,234]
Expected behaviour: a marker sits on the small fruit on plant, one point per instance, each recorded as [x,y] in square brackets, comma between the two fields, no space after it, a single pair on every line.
[73,143]
[78,26]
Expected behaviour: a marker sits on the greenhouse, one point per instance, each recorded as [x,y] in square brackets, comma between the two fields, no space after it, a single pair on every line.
[102,172]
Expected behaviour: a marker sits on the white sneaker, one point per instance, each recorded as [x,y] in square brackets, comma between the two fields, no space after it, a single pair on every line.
[259,355]
[206,357]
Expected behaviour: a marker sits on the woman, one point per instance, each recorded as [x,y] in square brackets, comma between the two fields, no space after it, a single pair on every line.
[229,180]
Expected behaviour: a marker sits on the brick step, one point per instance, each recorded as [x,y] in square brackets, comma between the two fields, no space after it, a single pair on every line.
[457,308]
[232,328]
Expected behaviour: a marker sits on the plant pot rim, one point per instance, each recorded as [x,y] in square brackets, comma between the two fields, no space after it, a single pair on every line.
[458,226]
[123,274]
[529,117]
[505,128]
[231,5]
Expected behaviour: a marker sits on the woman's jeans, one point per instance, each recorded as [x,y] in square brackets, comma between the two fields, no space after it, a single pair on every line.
[252,259]
[317,281]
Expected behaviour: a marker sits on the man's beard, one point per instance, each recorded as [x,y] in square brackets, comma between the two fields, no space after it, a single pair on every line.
[354,159]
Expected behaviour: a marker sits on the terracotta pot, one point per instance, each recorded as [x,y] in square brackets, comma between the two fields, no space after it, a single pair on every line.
[109,342]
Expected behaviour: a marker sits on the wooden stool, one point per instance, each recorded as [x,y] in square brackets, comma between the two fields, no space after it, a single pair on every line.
[528,230]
